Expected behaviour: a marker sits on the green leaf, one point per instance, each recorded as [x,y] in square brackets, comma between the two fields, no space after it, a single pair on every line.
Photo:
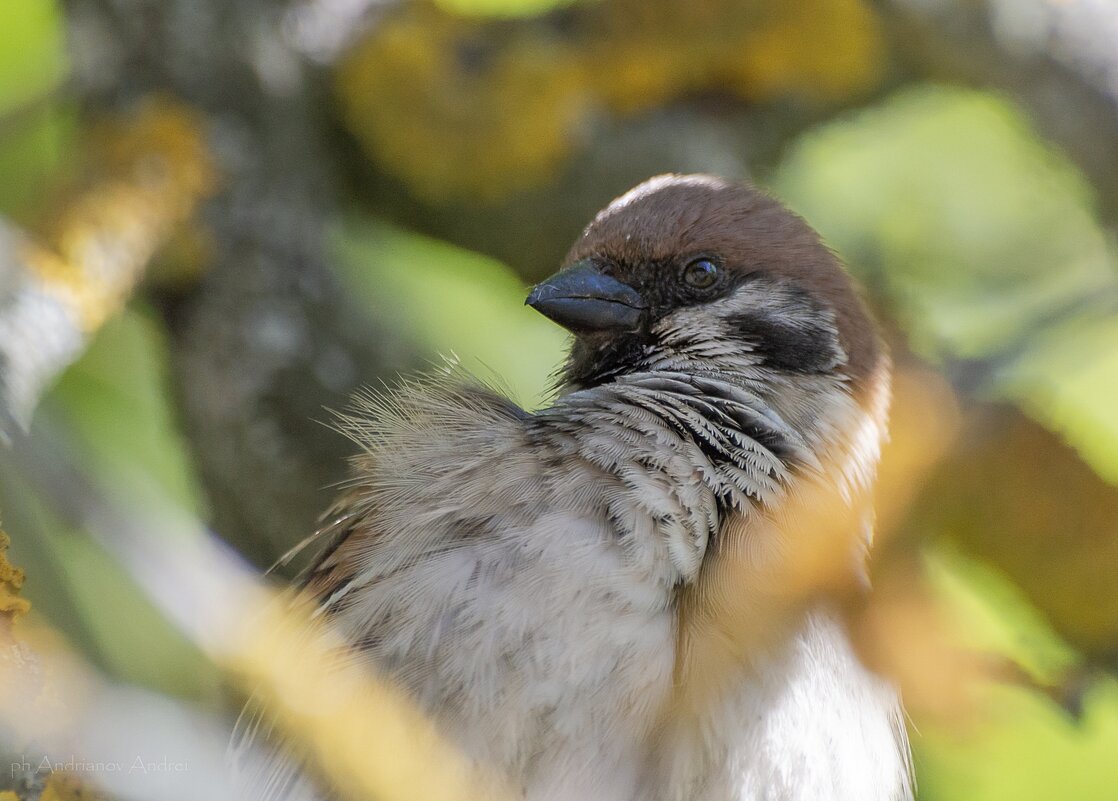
[32,54]
[502,8]
[1020,744]
[455,303]
[115,400]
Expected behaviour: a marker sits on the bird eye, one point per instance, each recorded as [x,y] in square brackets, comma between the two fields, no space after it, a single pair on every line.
[700,274]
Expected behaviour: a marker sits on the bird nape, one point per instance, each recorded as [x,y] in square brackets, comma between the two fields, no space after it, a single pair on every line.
[631,595]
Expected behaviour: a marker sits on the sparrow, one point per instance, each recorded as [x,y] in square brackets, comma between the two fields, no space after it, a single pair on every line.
[632,594]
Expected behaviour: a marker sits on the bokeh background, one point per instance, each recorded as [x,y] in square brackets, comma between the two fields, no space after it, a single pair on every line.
[218,218]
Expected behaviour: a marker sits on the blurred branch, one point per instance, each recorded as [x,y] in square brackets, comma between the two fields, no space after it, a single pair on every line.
[152,169]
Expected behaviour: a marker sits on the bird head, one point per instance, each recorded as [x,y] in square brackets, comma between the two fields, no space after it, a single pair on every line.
[700,275]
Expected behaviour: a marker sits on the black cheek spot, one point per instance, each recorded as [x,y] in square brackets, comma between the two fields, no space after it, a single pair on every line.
[786,347]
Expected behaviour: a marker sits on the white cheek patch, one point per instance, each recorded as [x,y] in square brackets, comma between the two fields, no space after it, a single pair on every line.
[759,324]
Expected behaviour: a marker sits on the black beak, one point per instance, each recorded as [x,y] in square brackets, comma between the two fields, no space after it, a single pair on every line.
[583,299]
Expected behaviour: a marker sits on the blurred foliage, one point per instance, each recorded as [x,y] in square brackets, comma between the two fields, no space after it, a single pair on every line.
[979,243]
[114,403]
[61,787]
[1020,745]
[11,580]
[946,203]
[458,304]
[983,246]
[458,106]
[1052,526]
[502,8]
[33,60]
[1068,382]
[34,152]
[34,134]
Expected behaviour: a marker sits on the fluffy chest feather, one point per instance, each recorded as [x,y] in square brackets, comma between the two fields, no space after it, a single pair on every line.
[527,581]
